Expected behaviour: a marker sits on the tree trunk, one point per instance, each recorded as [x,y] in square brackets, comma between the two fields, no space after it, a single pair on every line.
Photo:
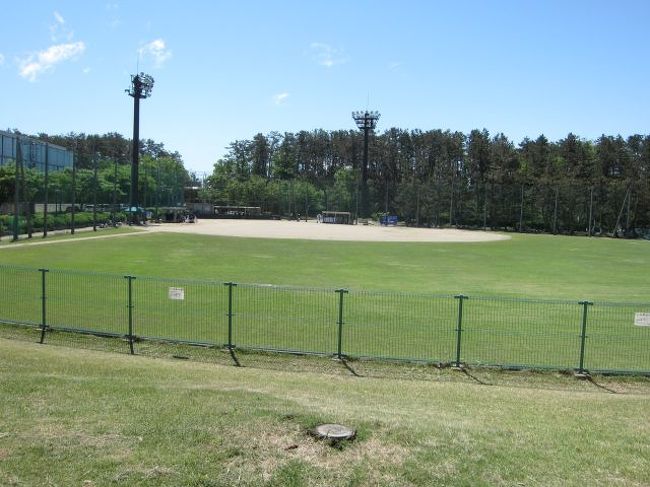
[417,206]
[591,210]
[521,210]
[451,204]
[557,194]
[484,207]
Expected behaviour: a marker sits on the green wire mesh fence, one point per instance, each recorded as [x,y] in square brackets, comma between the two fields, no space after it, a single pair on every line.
[57,306]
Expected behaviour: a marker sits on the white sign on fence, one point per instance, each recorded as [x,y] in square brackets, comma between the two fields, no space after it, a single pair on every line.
[642,319]
[176,293]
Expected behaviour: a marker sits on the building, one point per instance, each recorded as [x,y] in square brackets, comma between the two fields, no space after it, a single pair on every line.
[36,153]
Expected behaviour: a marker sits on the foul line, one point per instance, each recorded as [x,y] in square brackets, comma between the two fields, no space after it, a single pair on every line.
[22,244]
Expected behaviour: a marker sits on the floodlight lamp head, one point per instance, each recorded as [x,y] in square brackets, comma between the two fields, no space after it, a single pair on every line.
[366,119]
[141,85]
[147,84]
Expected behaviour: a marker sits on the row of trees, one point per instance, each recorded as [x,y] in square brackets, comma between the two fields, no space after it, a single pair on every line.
[445,178]
[112,146]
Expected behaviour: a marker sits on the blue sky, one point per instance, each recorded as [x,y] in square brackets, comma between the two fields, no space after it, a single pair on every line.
[227,70]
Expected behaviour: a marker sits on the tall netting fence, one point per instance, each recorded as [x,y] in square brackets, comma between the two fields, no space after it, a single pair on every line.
[46,188]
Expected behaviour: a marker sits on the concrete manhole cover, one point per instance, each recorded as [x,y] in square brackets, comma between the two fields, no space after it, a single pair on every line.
[335,432]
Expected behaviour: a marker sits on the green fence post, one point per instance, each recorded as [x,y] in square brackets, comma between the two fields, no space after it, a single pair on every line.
[459,328]
[130,306]
[339,347]
[43,305]
[583,335]
[230,313]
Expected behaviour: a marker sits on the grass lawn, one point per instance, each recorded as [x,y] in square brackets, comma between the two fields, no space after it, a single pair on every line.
[78,417]
[377,324]
[536,266]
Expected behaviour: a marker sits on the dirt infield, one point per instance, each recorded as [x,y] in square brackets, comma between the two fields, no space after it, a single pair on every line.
[322,231]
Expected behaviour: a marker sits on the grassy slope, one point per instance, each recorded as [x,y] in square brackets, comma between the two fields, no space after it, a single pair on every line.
[526,265]
[80,417]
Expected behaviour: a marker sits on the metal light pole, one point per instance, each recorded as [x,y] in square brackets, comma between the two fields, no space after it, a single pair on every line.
[114,205]
[94,191]
[19,161]
[26,198]
[141,86]
[46,182]
[74,189]
[366,121]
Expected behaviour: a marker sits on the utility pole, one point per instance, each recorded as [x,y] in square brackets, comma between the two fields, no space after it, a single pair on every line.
[366,121]
[141,86]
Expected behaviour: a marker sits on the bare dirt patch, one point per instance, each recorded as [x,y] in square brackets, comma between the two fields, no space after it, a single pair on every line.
[320,231]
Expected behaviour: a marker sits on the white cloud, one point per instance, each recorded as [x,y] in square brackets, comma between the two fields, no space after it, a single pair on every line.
[327,55]
[35,64]
[157,51]
[2,59]
[280,98]
[58,30]
[86,70]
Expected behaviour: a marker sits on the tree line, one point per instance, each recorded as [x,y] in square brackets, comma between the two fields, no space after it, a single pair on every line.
[440,178]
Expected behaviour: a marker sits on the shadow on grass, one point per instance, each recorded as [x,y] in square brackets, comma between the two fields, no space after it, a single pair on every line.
[474,378]
[326,364]
[234,358]
[347,365]
[600,386]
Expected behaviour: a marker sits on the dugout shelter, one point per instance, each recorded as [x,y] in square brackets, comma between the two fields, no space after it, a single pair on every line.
[341,217]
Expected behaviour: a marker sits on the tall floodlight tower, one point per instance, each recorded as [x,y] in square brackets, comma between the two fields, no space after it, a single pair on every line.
[141,86]
[366,121]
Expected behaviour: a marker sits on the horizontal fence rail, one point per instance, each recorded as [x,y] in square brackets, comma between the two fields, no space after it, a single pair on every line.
[456,330]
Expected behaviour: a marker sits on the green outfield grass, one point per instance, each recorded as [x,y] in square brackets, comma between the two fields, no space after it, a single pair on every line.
[526,265]
[95,419]
[414,318]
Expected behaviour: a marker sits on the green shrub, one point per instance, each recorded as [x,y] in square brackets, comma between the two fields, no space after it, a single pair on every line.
[55,221]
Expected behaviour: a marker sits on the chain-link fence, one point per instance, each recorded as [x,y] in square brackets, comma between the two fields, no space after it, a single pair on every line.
[139,312]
